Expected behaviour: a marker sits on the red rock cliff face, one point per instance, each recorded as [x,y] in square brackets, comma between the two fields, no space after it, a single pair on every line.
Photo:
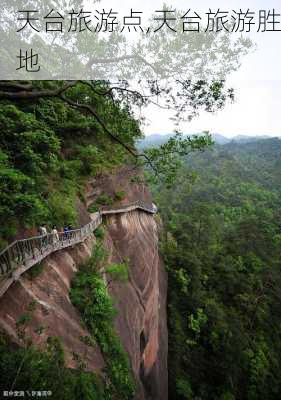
[141,321]
[141,302]
[54,311]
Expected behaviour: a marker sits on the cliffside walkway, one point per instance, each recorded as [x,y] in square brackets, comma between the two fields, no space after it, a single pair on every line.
[21,255]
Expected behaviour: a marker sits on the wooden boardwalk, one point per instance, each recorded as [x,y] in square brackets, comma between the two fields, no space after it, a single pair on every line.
[22,255]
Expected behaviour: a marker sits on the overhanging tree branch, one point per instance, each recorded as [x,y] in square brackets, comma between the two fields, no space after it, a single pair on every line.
[153,159]
[113,137]
[27,93]
[111,60]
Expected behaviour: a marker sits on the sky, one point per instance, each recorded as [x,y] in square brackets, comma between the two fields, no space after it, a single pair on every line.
[257,106]
[257,84]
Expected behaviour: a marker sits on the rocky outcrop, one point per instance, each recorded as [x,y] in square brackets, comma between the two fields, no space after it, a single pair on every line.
[54,313]
[141,302]
[141,320]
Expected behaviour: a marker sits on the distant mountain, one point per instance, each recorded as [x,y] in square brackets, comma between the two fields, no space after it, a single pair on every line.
[158,140]
[154,140]
[248,139]
[220,139]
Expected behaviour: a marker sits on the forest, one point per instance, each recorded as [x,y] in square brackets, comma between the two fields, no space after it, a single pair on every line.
[48,150]
[213,248]
[222,245]
[220,219]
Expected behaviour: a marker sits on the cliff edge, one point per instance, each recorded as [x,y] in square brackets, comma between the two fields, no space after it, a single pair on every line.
[141,302]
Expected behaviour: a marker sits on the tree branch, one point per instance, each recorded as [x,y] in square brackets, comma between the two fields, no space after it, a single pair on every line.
[15,85]
[118,88]
[28,94]
[112,60]
[92,111]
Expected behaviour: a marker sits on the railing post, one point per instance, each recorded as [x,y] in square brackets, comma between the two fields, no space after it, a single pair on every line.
[9,260]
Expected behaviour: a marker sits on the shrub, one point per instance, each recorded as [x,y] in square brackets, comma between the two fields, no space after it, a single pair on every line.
[35,271]
[118,272]
[136,179]
[99,233]
[104,200]
[63,208]
[26,369]
[89,294]
[93,209]
[120,195]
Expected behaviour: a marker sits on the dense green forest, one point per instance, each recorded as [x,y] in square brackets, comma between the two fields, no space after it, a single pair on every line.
[51,145]
[222,248]
[221,244]
[55,137]
[48,150]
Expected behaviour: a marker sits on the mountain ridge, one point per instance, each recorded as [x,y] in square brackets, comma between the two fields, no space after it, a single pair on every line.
[159,139]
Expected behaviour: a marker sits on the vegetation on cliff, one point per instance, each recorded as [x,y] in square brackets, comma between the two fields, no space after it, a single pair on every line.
[47,151]
[89,294]
[29,370]
[56,135]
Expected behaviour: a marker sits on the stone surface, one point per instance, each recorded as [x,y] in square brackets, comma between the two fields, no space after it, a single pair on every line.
[141,321]
[54,311]
[141,303]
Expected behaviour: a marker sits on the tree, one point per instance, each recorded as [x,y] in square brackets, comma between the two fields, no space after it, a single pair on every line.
[222,253]
[117,272]
[184,72]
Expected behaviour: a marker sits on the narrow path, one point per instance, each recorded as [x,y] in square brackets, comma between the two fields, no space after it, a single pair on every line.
[22,255]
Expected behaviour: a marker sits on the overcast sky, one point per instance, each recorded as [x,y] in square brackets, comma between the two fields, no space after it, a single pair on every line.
[257,109]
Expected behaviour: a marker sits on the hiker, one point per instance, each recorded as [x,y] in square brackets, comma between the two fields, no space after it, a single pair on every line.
[42,230]
[154,208]
[65,232]
[44,234]
[55,234]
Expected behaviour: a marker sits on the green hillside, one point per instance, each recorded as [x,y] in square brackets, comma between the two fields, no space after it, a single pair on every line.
[222,249]
[48,150]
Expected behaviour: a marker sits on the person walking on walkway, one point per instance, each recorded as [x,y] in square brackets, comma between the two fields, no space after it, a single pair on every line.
[44,233]
[42,230]
[55,235]
[65,232]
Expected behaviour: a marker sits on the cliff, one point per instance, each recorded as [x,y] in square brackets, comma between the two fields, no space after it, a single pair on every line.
[141,320]
[141,302]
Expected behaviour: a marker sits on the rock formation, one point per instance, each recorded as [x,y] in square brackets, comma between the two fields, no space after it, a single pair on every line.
[141,302]
[141,320]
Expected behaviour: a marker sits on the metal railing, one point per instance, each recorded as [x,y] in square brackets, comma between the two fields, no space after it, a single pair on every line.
[28,252]
[23,254]
[150,208]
